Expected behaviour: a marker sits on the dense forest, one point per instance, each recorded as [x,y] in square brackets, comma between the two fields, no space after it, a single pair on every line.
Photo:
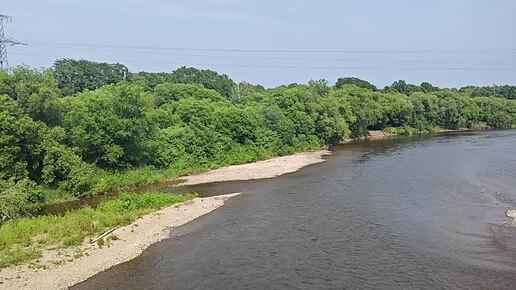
[83,128]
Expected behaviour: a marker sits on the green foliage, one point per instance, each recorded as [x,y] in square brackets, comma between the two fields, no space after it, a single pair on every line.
[364,110]
[23,239]
[18,256]
[104,181]
[119,129]
[508,92]
[149,80]
[427,87]
[107,126]
[243,89]
[208,78]
[402,87]
[341,82]
[168,92]
[63,166]
[20,139]
[35,92]
[74,76]
[15,199]
[404,130]
[319,87]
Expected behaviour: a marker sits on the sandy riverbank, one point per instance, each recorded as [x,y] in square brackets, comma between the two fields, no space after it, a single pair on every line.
[61,268]
[258,170]
[376,134]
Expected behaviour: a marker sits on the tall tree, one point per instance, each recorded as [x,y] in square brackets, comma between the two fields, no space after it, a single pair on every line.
[401,86]
[208,78]
[74,76]
[354,81]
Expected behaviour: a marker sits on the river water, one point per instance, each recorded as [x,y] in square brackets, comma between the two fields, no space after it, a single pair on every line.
[423,212]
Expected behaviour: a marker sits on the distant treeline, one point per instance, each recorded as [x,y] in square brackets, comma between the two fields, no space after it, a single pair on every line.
[74,126]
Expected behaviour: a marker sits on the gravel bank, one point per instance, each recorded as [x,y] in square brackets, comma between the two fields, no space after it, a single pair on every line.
[58,269]
[258,170]
[62,268]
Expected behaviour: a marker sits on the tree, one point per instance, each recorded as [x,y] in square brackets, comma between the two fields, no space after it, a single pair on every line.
[425,113]
[208,78]
[243,89]
[365,110]
[397,110]
[237,123]
[319,87]
[428,87]
[14,199]
[20,142]
[109,126]
[75,76]
[194,119]
[508,92]
[354,81]
[34,90]
[402,87]
[149,80]
[61,166]
[168,92]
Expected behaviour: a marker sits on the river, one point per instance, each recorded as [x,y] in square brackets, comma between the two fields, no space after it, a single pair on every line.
[424,212]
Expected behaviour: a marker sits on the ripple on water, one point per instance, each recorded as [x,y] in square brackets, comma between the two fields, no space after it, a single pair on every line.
[404,213]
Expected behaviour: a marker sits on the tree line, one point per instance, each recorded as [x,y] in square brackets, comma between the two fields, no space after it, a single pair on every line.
[72,126]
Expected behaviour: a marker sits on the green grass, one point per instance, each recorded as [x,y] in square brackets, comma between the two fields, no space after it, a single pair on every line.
[104,181]
[406,130]
[24,239]
[115,181]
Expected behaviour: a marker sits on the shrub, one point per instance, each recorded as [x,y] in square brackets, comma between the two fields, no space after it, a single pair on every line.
[15,199]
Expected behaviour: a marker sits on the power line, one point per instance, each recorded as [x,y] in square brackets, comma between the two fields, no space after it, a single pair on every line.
[296,67]
[504,50]
[283,58]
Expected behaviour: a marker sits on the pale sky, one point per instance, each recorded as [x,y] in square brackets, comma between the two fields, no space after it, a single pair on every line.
[444,42]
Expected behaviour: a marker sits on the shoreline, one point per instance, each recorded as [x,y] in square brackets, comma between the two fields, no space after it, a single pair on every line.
[65,267]
[263,169]
[58,269]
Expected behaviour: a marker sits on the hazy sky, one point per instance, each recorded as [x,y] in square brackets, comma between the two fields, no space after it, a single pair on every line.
[435,41]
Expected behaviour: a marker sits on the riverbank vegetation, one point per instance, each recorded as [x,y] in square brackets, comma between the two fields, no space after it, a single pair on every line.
[25,239]
[84,128]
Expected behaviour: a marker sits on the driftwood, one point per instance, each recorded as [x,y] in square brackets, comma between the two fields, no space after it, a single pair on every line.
[105,234]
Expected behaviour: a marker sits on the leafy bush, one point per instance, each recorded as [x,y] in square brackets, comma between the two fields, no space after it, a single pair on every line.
[15,199]
[117,130]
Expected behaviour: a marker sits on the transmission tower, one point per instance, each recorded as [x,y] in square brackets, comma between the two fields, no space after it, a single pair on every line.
[5,41]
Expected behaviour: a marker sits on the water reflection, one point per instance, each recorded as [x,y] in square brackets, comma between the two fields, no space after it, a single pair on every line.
[404,213]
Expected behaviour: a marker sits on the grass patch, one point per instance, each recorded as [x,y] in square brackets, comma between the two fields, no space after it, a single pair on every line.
[105,181]
[18,255]
[23,239]
[406,130]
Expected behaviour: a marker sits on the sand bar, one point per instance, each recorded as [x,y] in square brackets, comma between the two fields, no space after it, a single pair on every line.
[59,269]
[60,273]
[258,170]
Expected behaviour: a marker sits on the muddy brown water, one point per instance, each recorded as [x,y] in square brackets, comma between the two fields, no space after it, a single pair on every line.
[405,213]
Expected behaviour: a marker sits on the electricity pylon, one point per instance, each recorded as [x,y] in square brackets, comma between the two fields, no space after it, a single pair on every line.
[5,41]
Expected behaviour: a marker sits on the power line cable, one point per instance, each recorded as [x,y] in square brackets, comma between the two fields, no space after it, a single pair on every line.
[286,58]
[503,50]
[296,67]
